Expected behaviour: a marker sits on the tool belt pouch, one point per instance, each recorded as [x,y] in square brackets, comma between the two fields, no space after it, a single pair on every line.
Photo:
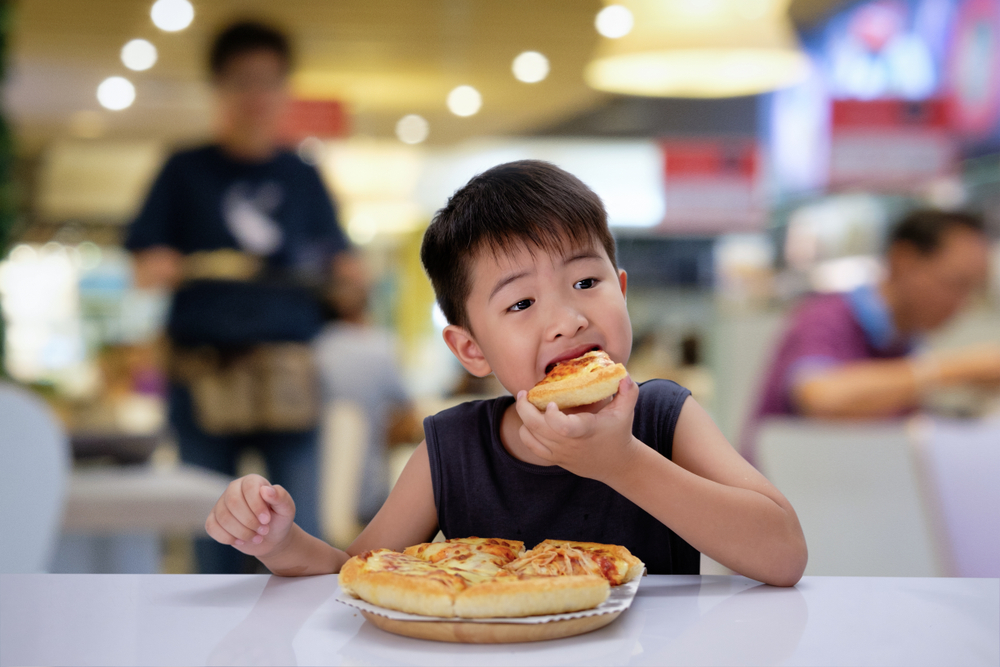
[269,387]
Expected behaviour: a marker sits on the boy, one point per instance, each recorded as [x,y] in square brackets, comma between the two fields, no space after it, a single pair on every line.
[523,266]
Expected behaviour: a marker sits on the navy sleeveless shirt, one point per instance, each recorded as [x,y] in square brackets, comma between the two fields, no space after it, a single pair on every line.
[481,490]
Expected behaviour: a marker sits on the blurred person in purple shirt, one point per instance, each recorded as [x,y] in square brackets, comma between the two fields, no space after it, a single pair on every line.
[853,354]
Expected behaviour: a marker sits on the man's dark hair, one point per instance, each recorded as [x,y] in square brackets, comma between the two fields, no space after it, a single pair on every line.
[924,229]
[528,202]
[246,36]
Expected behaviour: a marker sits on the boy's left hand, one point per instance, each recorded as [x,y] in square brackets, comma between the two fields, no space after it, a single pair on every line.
[595,445]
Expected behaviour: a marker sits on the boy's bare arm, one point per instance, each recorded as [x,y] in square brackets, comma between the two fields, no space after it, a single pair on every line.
[707,493]
[257,518]
[720,504]
[409,515]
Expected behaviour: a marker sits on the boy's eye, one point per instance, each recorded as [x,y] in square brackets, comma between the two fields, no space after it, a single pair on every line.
[521,305]
[586,283]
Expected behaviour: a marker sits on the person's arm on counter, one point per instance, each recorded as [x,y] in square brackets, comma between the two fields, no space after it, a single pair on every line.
[884,387]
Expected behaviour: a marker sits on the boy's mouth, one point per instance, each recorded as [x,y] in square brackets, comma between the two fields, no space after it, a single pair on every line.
[571,354]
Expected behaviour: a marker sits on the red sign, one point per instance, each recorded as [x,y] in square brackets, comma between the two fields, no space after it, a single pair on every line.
[324,119]
[890,143]
[711,186]
[889,114]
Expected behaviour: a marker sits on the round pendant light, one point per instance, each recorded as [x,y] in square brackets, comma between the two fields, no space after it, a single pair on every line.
[707,48]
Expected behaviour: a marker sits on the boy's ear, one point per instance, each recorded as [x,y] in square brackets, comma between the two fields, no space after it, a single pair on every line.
[623,282]
[463,345]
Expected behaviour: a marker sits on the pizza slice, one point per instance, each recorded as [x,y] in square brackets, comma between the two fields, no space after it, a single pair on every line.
[402,582]
[580,381]
[614,563]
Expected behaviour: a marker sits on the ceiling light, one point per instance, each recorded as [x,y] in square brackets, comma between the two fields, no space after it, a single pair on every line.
[464,101]
[172,15]
[412,129]
[531,67]
[676,51]
[139,55]
[614,21]
[116,93]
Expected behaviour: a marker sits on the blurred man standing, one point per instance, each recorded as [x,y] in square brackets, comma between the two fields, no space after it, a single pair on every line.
[248,236]
[852,355]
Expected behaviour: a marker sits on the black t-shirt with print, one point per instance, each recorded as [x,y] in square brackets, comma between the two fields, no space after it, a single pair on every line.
[278,210]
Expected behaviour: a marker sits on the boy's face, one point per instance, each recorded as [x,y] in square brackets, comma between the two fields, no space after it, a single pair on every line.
[532,308]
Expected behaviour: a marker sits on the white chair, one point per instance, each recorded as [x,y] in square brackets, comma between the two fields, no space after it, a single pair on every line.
[858,494]
[961,466]
[345,436]
[35,457]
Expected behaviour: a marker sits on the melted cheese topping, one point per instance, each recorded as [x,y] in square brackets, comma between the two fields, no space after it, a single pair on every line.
[548,560]
[386,560]
[587,363]
[474,558]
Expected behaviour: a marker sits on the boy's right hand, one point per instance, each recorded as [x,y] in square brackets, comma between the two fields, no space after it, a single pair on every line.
[252,515]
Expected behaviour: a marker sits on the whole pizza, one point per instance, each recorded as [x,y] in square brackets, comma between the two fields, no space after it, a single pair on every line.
[477,577]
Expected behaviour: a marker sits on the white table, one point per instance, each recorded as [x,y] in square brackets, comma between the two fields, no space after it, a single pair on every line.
[685,620]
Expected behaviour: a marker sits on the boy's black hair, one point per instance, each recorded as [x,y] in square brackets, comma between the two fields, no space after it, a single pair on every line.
[924,229]
[526,202]
[243,37]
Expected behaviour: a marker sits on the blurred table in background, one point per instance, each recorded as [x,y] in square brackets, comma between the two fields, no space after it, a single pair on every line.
[895,498]
[116,516]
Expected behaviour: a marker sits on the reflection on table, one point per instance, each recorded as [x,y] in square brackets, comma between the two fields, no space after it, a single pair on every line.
[683,620]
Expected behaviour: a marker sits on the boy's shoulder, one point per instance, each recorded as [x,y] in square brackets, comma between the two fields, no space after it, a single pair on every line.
[661,393]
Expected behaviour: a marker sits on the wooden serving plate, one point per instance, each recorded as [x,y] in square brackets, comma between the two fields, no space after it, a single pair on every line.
[464,632]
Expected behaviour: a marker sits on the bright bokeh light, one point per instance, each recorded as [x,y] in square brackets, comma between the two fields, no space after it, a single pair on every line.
[531,67]
[172,15]
[438,318]
[116,93]
[464,101]
[412,129]
[38,287]
[614,21]
[139,55]
[312,150]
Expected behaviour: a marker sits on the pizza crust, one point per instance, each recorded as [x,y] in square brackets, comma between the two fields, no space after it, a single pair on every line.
[413,594]
[587,379]
[513,597]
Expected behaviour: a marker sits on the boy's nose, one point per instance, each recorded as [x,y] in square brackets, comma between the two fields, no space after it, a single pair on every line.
[566,322]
